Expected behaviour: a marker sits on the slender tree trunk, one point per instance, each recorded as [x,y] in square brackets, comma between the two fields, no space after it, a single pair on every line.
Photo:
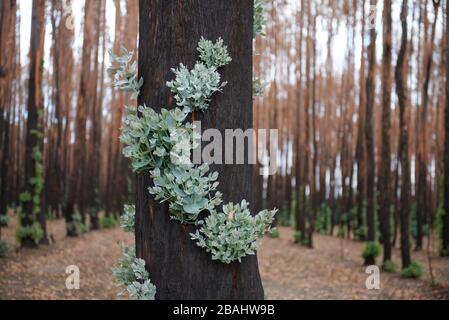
[361,147]
[369,138]
[300,222]
[401,91]
[422,208]
[445,236]
[77,179]
[35,114]
[384,170]
[8,11]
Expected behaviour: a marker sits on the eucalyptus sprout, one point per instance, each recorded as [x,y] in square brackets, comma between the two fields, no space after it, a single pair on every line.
[193,89]
[189,190]
[213,54]
[132,274]
[124,73]
[259,18]
[230,235]
[150,138]
[127,220]
[258,87]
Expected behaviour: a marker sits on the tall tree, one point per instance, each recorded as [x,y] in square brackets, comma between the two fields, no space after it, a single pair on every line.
[384,170]
[7,72]
[33,152]
[361,146]
[77,190]
[189,272]
[62,73]
[422,151]
[300,221]
[369,135]
[401,91]
[445,235]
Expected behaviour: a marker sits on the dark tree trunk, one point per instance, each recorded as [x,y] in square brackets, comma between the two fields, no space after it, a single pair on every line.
[369,138]
[77,190]
[7,72]
[35,106]
[400,76]
[169,32]
[361,147]
[422,208]
[445,236]
[384,170]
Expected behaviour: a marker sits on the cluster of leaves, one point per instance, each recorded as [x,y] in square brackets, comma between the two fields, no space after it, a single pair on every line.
[151,138]
[360,233]
[372,249]
[230,235]
[77,225]
[124,72]
[273,233]
[132,274]
[32,231]
[4,248]
[444,252]
[189,190]
[213,54]
[193,89]
[259,22]
[37,181]
[414,270]
[4,220]
[389,266]
[323,219]
[297,237]
[128,219]
[108,222]
[258,87]
[259,19]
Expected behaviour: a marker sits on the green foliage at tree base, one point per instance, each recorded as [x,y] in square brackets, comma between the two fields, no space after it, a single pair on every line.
[414,270]
[444,252]
[273,233]
[389,266]
[131,273]
[108,222]
[76,226]
[297,236]
[33,232]
[4,220]
[372,249]
[4,248]
[360,233]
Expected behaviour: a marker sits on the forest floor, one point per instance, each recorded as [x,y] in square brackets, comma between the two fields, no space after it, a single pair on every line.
[332,270]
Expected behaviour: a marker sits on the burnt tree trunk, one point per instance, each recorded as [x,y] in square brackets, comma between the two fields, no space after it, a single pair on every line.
[445,240]
[384,170]
[369,139]
[77,180]
[401,90]
[35,106]
[169,33]
[361,147]
[7,65]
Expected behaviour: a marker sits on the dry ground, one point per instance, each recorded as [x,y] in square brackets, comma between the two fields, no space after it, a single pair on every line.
[332,270]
